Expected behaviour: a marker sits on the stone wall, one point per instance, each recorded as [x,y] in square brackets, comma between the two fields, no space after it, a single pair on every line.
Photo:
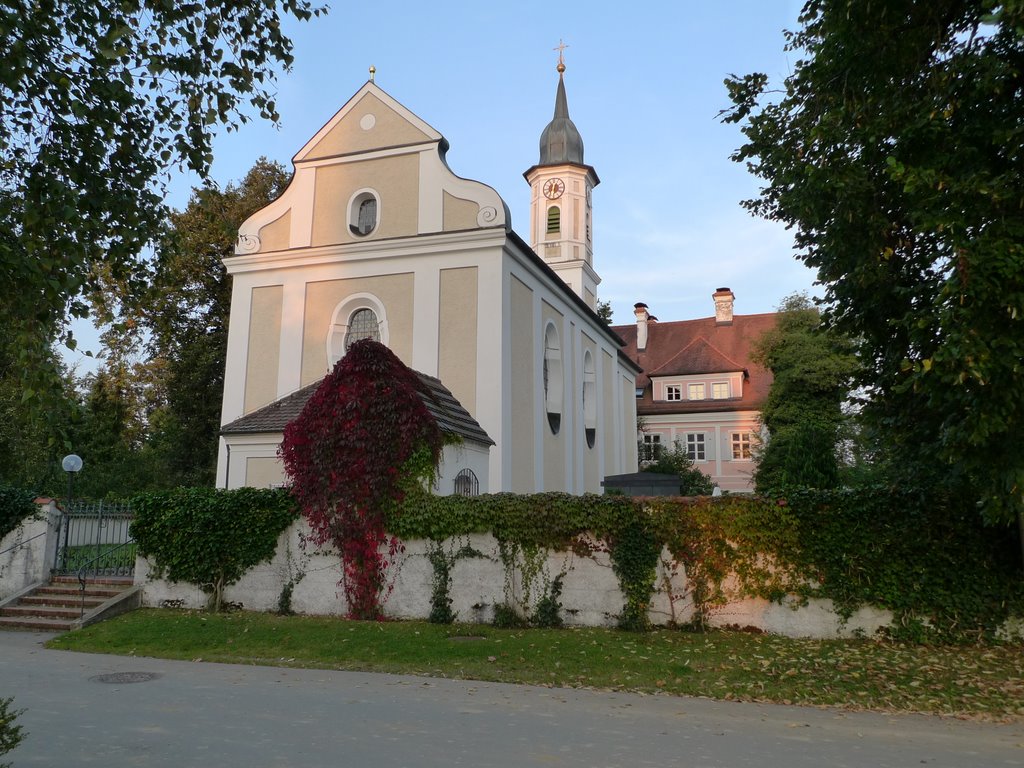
[590,590]
[28,550]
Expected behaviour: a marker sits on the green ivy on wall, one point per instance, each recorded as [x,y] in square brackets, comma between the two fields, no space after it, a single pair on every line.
[928,558]
[210,537]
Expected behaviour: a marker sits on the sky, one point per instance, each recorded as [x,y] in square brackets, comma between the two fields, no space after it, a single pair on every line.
[645,88]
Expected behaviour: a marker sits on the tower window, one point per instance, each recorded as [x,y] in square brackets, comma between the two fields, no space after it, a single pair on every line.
[554,220]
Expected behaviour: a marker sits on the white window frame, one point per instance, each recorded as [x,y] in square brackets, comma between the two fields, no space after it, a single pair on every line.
[698,388]
[339,324]
[673,392]
[647,449]
[721,386]
[741,443]
[354,203]
[554,384]
[589,400]
[696,446]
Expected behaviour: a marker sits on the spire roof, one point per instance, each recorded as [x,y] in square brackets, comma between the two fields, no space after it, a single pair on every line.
[561,143]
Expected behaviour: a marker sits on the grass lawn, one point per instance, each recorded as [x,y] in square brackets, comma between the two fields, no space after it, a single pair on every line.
[974,681]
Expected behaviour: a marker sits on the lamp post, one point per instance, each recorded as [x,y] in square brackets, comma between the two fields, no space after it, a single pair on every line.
[71,464]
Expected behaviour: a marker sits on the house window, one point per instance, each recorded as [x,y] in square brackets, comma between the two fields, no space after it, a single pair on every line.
[695,446]
[552,378]
[673,392]
[741,445]
[363,213]
[554,220]
[650,447]
[720,390]
[362,325]
[639,392]
[589,400]
[466,484]
[695,392]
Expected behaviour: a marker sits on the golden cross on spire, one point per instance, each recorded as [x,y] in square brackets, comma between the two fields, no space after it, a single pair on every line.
[561,60]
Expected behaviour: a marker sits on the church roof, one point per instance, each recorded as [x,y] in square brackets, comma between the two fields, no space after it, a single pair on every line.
[560,142]
[450,415]
[694,347]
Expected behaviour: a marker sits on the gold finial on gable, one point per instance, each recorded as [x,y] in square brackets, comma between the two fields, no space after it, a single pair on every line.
[373,71]
[561,60]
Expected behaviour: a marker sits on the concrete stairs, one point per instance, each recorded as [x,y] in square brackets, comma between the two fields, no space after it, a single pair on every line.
[58,606]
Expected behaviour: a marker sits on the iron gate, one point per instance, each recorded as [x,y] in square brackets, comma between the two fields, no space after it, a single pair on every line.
[95,540]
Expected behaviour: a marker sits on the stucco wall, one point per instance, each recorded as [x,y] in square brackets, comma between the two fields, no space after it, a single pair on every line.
[457,333]
[394,291]
[264,347]
[590,595]
[28,550]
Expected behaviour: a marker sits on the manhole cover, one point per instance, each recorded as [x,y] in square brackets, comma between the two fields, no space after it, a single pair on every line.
[125,677]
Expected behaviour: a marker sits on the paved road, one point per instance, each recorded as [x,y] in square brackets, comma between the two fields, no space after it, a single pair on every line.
[198,714]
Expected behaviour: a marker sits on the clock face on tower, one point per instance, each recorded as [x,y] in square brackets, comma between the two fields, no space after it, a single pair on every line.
[553,189]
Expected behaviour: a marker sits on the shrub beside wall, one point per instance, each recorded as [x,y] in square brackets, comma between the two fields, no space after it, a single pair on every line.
[15,505]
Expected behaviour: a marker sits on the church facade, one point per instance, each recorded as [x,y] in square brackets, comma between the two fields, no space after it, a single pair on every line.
[376,237]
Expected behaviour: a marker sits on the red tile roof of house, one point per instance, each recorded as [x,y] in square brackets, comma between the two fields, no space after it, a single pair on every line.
[688,347]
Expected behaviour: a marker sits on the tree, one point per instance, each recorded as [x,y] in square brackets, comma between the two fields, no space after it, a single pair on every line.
[692,482]
[11,735]
[604,311]
[97,100]
[894,153]
[812,367]
[362,442]
[186,314]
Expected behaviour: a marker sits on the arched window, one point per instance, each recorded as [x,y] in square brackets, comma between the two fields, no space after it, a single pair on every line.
[362,325]
[552,378]
[554,220]
[363,213]
[359,316]
[466,484]
[589,399]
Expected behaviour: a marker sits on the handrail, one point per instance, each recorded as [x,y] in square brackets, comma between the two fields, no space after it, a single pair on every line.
[85,567]
[22,544]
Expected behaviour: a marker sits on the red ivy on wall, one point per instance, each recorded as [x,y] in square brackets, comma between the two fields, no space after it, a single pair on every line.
[364,438]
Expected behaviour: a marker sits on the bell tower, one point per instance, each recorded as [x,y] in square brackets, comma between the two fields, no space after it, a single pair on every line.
[561,184]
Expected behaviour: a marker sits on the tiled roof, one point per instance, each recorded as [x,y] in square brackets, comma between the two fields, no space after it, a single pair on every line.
[448,412]
[687,347]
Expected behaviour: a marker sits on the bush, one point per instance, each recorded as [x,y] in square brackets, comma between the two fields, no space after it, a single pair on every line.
[15,505]
[692,482]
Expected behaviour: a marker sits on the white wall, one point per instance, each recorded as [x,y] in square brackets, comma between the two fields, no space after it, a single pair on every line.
[590,595]
[28,550]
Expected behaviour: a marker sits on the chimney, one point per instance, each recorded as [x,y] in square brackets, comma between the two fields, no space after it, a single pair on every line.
[640,310]
[724,299]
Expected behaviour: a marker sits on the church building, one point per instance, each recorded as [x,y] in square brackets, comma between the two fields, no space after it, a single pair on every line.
[375,237]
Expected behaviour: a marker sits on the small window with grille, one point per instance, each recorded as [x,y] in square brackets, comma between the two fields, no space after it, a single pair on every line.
[466,484]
